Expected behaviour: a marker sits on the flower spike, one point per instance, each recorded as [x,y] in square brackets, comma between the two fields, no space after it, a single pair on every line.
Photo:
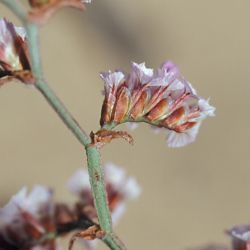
[27,218]
[163,99]
[14,56]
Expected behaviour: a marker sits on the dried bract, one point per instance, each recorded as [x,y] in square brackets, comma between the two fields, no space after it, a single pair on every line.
[27,219]
[14,56]
[163,99]
[43,10]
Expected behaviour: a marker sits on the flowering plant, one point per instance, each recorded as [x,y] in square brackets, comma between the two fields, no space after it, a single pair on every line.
[161,98]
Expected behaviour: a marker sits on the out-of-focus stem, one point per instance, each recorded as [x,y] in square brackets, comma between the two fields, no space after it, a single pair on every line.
[16,8]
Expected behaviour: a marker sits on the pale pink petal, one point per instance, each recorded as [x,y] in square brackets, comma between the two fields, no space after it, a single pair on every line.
[170,67]
[176,140]
[132,125]
[131,190]
[112,78]
[79,182]
[11,210]
[114,175]
[205,108]
[118,212]
[143,73]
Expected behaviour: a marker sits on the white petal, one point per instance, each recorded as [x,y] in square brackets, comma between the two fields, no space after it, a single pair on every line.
[143,73]
[192,89]
[113,78]
[38,197]
[118,213]
[9,212]
[243,236]
[132,125]
[131,190]
[89,244]
[5,35]
[86,1]
[21,32]
[205,108]
[176,140]
[79,182]
[114,175]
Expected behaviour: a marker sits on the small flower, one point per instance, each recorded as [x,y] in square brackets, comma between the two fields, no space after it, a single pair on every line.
[163,99]
[14,58]
[240,237]
[27,218]
[211,247]
[119,186]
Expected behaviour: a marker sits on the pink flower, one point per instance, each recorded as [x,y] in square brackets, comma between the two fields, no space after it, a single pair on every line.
[163,99]
[240,237]
[27,218]
[14,58]
[211,247]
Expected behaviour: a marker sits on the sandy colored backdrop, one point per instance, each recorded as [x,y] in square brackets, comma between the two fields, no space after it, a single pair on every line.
[190,195]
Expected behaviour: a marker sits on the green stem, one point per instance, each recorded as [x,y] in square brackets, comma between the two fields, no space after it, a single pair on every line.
[93,156]
[16,8]
[98,188]
[63,113]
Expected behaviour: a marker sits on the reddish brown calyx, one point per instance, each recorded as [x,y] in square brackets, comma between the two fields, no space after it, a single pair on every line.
[24,76]
[103,136]
[43,10]
[38,3]
[92,233]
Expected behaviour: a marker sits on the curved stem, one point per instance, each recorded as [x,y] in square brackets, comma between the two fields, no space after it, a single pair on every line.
[93,156]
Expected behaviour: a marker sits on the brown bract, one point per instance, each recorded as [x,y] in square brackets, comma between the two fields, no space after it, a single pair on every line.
[24,76]
[103,136]
[92,233]
[42,11]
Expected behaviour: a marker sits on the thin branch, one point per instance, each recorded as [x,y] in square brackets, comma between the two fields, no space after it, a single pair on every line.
[94,166]
[16,8]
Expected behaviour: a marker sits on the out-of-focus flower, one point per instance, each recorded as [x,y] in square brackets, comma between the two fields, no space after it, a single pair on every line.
[119,186]
[240,237]
[14,56]
[27,219]
[211,247]
[163,99]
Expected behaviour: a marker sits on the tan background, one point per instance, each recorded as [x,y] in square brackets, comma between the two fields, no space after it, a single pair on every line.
[190,195]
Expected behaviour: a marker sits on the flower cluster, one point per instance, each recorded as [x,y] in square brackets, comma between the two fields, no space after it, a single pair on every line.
[14,56]
[163,99]
[119,186]
[240,237]
[211,247]
[32,221]
[27,218]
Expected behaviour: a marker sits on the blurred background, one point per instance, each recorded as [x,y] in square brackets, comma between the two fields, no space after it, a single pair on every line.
[190,195]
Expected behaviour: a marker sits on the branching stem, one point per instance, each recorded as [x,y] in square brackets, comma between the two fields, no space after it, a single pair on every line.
[93,155]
